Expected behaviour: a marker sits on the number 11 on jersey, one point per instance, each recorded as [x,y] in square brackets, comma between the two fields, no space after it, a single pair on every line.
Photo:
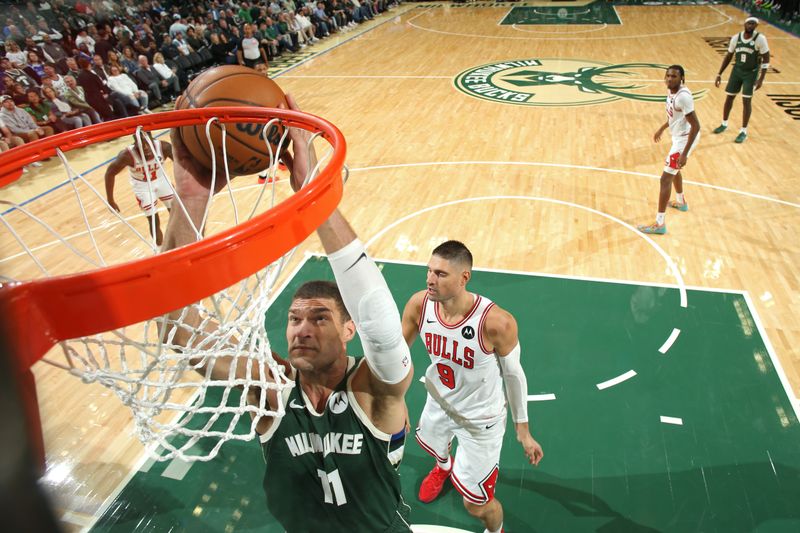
[332,480]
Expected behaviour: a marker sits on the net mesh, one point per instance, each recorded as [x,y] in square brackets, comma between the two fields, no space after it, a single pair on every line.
[161,368]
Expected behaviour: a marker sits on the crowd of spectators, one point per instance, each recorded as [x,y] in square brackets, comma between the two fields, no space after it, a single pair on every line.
[65,64]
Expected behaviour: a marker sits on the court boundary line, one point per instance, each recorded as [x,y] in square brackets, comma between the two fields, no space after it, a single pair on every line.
[776,363]
[577,167]
[443,163]
[572,277]
[411,23]
[450,77]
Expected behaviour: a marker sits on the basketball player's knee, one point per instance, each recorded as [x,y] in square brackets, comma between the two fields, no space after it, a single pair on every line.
[480,510]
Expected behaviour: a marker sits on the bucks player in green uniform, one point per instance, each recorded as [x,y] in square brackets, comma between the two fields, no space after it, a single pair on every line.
[331,460]
[751,53]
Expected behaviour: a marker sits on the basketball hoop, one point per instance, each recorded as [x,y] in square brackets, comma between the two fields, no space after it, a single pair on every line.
[113,322]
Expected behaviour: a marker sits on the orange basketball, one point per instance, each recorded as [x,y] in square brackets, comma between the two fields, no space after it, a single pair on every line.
[227,86]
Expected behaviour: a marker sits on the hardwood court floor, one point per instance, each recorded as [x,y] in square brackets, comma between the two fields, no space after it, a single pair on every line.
[548,189]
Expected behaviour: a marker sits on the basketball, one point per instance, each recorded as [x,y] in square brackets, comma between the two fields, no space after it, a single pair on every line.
[226,86]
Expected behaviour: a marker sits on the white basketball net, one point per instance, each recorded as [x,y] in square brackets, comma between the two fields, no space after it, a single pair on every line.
[178,412]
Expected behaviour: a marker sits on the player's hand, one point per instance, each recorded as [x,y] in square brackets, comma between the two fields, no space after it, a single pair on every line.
[113,205]
[533,450]
[682,161]
[191,178]
[759,83]
[302,160]
[657,136]
[717,81]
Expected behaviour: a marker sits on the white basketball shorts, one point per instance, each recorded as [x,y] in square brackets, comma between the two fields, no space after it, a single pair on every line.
[149,192]
[476,464]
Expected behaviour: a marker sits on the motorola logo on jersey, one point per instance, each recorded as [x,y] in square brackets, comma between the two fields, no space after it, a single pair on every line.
[338,402]
[467,332]
[564,82]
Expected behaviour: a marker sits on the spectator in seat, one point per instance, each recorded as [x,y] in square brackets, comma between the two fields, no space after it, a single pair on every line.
[53,51]
[84,38]
[129,61]
[14,54]
[167,73]
[20,123]
[113,61]
[75,96]
[68,117]
[221,50]
[121,83]
[97,93]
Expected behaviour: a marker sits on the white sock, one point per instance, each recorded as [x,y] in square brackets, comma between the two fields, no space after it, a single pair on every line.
[498,530]
[725,123]
[660,218]
[445,466]
[744,130]
[680,197]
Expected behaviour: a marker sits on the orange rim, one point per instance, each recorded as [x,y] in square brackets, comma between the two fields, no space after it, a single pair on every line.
[41,313]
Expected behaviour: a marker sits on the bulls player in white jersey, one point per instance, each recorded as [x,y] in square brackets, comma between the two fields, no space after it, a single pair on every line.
[474,349]
[148,180]
[685,130]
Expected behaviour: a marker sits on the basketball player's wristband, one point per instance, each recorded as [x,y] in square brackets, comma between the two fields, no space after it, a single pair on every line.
[764,66]
[516,385]
[371,306]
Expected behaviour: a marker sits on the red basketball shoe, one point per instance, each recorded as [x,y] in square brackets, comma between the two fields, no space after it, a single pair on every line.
[432,484]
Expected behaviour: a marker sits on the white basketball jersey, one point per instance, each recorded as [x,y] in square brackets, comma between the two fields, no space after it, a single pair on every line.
[465,375]
[150,169]
[679,105]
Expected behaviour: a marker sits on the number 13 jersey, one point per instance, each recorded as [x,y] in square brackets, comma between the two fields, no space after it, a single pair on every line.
[464,373]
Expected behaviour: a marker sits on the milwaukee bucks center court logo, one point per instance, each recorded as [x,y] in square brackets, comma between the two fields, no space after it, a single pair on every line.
[564,82]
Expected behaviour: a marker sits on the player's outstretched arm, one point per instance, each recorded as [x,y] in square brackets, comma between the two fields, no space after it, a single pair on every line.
[192,185]
[500,329]
[115,167]
[411,317]
[380,385]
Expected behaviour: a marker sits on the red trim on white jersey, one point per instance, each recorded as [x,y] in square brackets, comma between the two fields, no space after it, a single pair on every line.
[463,320]
[422,311]
[487,487]
[430,450]
[149,170]
[480,330]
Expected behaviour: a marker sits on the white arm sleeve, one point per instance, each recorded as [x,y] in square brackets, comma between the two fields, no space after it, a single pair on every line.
[374,312]
[516,385]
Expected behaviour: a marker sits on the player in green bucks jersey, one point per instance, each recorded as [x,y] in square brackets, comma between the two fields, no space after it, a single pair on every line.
[751,53]
[331,460]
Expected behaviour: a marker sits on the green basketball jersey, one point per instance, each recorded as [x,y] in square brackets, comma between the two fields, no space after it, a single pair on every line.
[333,471]
[745,53]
